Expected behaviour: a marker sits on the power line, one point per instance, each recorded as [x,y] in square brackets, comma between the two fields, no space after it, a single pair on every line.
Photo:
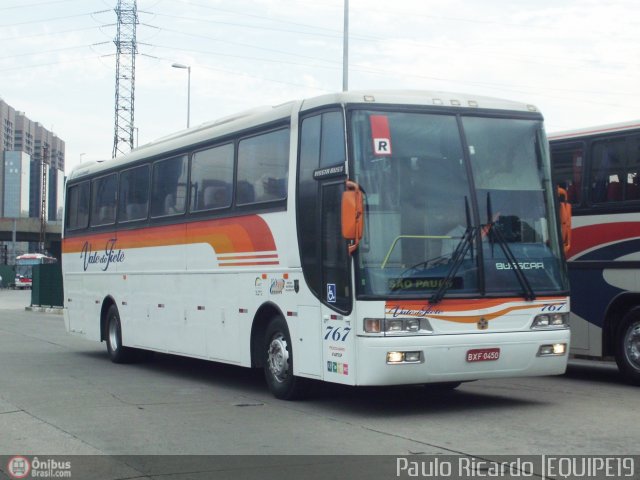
[244,57]
[22,5]
[255,27]
[52,19]
[41,52]
[60,32]
[262,17]
[47,64]
[237,73]
[248,45]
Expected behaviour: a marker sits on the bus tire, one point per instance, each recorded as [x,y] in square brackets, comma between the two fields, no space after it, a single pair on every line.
[628,346]
[117,352]
[278,362]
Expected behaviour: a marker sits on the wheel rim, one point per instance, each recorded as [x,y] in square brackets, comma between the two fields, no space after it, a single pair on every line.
[278,357]
[632,345]
[113,335]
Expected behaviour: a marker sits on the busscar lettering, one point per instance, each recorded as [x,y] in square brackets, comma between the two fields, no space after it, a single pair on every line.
[328,172]
[104,260]
[522,265]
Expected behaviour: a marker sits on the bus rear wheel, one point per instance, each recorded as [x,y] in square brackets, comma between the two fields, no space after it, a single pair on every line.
[117,352]
[628,346]
[278,362]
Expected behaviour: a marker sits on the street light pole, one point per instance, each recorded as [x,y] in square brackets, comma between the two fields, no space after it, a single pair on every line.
[188,68]
[345,48]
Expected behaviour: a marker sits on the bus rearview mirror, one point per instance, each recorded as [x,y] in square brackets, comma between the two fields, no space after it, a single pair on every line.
[352,215]
[565,219]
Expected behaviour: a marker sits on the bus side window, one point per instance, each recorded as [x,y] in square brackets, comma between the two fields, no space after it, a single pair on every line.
[103,200]
[568,164]
[168,186]
[608,163]
[263,165]
[134,194]
[211,178]
[78,206]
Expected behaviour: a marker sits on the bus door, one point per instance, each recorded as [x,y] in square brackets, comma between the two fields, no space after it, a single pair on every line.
[337,324]
[324,255]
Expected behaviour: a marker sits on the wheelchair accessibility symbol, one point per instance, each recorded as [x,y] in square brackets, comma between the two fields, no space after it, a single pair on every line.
[331,292]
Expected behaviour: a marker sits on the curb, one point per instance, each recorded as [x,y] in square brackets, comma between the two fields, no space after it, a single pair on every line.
[42,309]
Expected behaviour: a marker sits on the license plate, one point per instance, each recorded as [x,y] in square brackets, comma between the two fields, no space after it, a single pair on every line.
[483,354]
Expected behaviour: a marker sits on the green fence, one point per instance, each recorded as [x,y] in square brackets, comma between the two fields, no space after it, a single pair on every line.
[8,274]
[47,285]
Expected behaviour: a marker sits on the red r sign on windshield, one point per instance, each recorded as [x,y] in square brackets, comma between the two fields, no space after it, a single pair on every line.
[381,134]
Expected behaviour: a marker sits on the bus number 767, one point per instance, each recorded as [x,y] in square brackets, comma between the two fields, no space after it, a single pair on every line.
[337,334]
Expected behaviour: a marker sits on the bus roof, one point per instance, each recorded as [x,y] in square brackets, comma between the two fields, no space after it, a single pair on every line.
[262,115]
[26,256]
[594,131]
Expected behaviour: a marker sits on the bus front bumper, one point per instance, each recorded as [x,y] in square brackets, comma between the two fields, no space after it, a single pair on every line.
[453,358]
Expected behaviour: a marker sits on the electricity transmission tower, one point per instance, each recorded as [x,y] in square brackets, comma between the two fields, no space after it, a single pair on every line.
[126,50]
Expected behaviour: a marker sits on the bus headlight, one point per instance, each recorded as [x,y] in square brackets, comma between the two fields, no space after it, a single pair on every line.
[395,358]
[553,350]
[398,326]
[550,320]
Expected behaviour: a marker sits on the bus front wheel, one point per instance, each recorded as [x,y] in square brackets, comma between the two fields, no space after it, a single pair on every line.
[278,362]
[628,346]
[117,352]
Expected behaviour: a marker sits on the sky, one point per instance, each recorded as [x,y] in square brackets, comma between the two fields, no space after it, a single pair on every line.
[578,61]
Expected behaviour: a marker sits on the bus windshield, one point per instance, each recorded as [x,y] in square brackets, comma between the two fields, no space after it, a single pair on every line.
[439,218]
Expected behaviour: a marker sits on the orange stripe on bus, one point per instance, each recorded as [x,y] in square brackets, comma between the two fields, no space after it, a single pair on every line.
[245,257]
[253,264]
[450,309]
[243,234]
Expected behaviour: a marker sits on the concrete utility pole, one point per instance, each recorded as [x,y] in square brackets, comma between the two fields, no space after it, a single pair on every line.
[126,50]
[43,199]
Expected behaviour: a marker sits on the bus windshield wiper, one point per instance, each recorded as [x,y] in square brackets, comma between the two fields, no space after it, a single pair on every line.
[495,233]
[465,244]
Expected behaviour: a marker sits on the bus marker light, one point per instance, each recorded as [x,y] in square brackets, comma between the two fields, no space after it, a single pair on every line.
[372,325]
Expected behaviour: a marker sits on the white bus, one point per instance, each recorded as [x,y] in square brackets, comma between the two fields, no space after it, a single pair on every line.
[375,238]
[600,169]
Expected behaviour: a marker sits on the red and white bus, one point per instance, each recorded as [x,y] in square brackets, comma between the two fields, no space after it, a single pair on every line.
[375,238]
[599,168]
[24,268]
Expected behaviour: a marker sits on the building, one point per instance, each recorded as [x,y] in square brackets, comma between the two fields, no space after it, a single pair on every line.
[21,134]
[17,177]
[24,144]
